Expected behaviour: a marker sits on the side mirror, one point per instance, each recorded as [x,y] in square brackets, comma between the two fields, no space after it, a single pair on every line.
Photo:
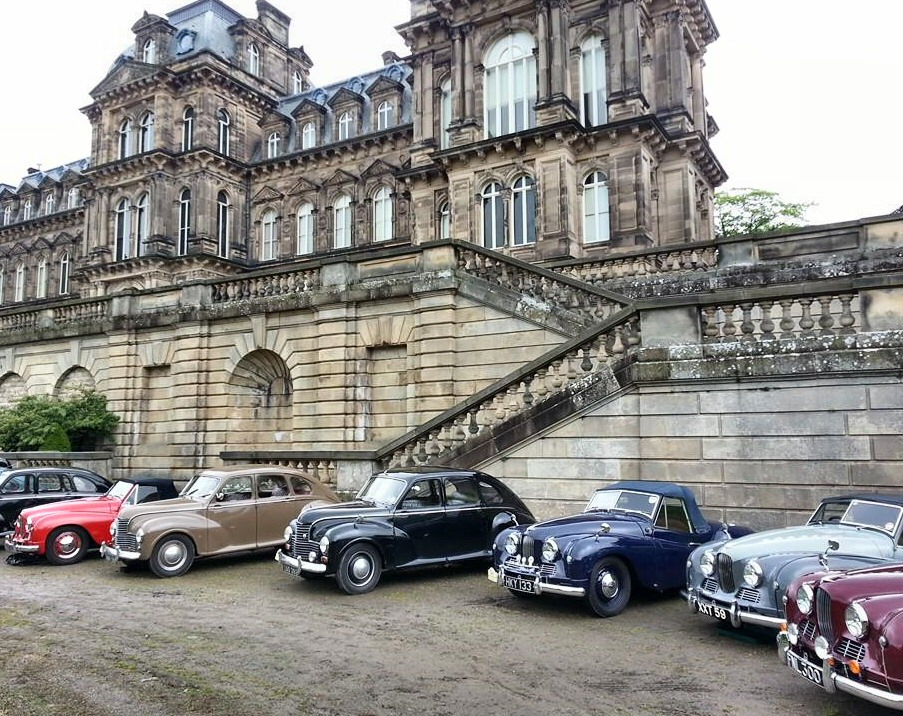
[220,496]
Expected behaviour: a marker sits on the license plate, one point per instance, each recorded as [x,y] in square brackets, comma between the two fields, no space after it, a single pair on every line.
[806,669]
[519,584]
[712,610]
[291,569]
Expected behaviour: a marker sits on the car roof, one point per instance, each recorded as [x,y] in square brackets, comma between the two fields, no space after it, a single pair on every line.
[668,489]
[54,470]
[150,481]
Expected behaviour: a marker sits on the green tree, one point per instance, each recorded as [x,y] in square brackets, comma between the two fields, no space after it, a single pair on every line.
[739,212]
[37,421]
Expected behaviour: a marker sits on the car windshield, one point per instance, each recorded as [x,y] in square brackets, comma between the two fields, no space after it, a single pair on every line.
[382,490]
[200,488]
[120,489]
[878,515]
[643,503]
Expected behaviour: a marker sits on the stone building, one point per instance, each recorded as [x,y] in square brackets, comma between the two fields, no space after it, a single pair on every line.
[495,252]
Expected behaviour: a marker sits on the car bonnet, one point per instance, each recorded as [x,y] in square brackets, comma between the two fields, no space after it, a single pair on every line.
[588,524]
[810,539]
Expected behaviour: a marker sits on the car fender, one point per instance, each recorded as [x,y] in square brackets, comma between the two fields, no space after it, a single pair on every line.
[582,554]
[377,532]
[158,526]
[501,522]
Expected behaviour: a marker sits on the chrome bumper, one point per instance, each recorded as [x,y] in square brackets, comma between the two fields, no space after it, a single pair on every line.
[541,587]
[737,617]
[17,548]
[290,564]
[114,554]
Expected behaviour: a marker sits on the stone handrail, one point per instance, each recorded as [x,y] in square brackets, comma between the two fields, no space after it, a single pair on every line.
[702,257]
[94,310]
[249,288]
[558,370]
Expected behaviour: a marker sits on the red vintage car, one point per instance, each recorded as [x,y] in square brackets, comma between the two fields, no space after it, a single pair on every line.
[844,632]
[65,531]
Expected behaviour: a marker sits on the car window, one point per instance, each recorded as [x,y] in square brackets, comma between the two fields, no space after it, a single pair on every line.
[873,514]
[423,494]
[145,493]
[490,495]
[277,486]
[460,492]
[236,489]
[829,512]
[49,483]
[672,515]
[83,484]
[14,485]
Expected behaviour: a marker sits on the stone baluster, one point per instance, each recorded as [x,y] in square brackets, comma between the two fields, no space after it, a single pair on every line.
[710,323]
[766,325]
[747,327]
[847,319]
[826,320]
[787,323]
[807,323]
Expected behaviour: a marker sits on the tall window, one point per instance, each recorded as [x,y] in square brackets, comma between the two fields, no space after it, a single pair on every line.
[64,273]
[385,115]
[187,129]
[223,123]
[382,214]
[48,204]
[2,284]
[341,228]
[524,195]
[150,51]
[510,85]
[308,136]
[445,221]
[123,230]
[184,221]
[222,223]
[297,83]
[268,236]
[41,288]
[346,122]
[593,92]
[72,198]
[253,59]
[27,210]
[125,138]
[146,132]
[305,229]
[20,282]
[596,219]
[493,216]
[273,145]
[7,215]
[142,224]
[445,114]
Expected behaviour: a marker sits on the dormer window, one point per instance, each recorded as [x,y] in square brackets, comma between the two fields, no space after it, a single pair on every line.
[7,215]
[146,132]
[150,51]
[125,138]
[297,83]
[273,145]
[309,136]
[26,211]
[48,204]
[346,124]
[385,115]
[253,59]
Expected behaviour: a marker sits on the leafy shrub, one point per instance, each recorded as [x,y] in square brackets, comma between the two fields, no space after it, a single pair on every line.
[35,421]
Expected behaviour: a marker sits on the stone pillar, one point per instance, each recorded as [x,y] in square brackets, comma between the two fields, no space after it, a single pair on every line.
[542,56]
[457,75]
[468,70]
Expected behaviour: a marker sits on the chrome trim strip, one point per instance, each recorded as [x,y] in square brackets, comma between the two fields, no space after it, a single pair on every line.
[314,567]
[114,553]
[17,548]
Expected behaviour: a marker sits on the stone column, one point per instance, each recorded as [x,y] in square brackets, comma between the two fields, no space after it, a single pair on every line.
[542,54]
[467,71]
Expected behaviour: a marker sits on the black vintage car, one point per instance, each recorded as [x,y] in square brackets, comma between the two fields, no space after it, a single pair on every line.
[27,487]
[401,518]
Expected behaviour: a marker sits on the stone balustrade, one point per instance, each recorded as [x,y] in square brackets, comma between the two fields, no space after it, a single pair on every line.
[81,312]
[324,470]
[674,261]
[250,288]
[20,321]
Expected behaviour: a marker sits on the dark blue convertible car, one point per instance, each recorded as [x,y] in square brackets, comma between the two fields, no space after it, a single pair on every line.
[631,533]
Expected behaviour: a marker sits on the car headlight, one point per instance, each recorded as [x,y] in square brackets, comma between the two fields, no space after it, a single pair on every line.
[805,598]
[857,620]
[753,574]
[707,563]
[512,542]
[550,550]
[139,536]
[113,528]
[287,534]
[324,545]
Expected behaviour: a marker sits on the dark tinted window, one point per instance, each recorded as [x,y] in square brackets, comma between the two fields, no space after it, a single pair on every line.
[829,512]
[672,515]
[83,484]
[14,484]
[490,495]
[422,494]
[460,491]
[50,483]
[148,493]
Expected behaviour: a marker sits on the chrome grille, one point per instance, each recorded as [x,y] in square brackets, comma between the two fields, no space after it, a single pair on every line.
[724,568]
[849,649]
[823,615]
[302,545]
[545,569]
[527,546]
[125,541]
[807,630]
[752,596]
[710,584]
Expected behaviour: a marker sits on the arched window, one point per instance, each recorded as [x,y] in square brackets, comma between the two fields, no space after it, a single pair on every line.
[493,216]
[297,83]
[187,129]
[125,138]
[273,145]
[123,230]
[268,240]
[510,85]
[7,215]
[222,223]
[184,221]
[41,288]
[305,244]
[223,123]
[308,136]
[524,195]
[445,114]
[341,229]
[593,92]
[142,224]
[20,282]
[346,122]
[48,204]
[444,221]
[73,198]
[146,132]
[382,214]
[385,115]
[64,273]
[27,210]
[253,59]
[150,51]
[596,221]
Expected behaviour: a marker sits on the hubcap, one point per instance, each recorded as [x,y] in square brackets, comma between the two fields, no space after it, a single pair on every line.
[67,544]
[172,554]
[608,584]
[361,568]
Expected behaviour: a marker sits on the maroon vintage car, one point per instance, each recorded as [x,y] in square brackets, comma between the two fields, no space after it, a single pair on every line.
[844,632]
[65,531]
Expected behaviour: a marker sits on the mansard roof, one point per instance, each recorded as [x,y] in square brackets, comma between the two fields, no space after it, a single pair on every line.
[34,179]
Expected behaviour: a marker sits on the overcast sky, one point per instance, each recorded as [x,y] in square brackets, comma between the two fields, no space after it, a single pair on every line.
[805,92]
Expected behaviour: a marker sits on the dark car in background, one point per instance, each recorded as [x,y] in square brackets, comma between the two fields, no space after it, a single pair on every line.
[402,518]
[29,487]
[631,532]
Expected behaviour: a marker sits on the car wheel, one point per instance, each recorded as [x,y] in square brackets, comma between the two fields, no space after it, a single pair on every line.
[67,545]
[172,556]
[359,569]
[609,587]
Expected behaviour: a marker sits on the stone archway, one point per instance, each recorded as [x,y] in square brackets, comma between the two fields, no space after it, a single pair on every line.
[260,398]
[73,382]
[12,389]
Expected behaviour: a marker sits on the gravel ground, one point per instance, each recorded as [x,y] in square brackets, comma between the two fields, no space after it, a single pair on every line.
[237,637]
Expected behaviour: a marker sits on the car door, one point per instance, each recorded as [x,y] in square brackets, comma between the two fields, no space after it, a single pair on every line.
[421,516]
[466,527]
[674,539]
[16,493]
[232,516]
[279,500]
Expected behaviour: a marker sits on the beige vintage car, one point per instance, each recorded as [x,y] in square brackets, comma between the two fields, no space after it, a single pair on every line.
[220,511]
